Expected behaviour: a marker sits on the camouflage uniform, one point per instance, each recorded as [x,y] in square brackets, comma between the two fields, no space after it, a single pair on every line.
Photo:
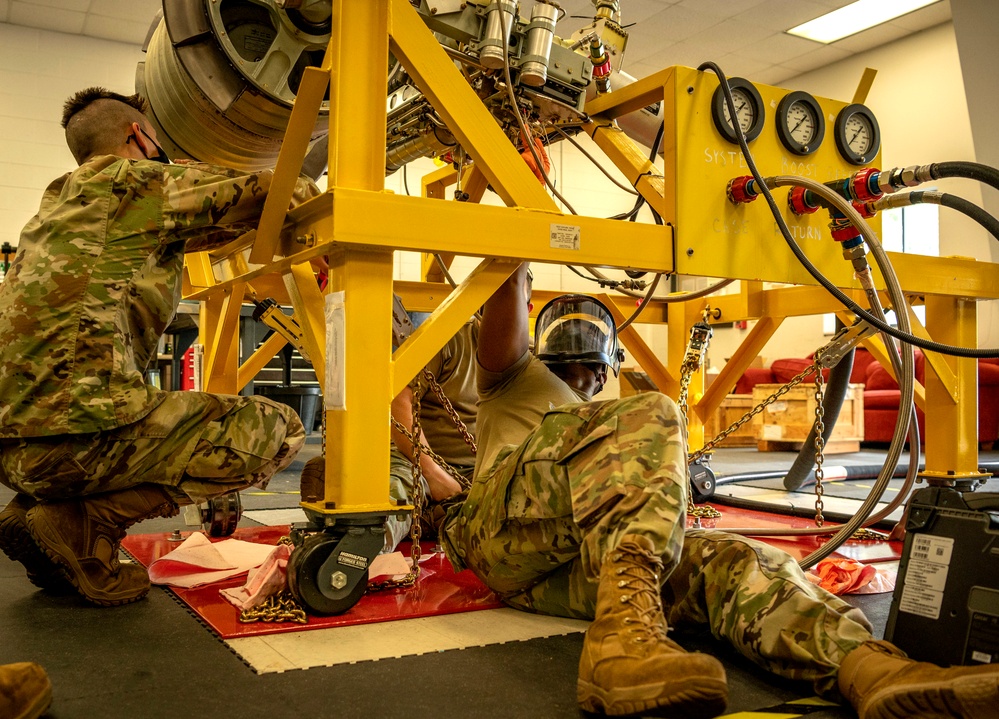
[95,283]
[454,369]
[540,519]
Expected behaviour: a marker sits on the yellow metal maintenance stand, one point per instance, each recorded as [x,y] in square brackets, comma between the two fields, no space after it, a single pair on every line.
[358,225]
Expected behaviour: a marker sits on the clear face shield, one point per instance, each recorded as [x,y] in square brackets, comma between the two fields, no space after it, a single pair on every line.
[577,328]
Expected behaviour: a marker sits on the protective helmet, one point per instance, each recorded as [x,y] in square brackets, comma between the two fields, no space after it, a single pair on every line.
[577,328]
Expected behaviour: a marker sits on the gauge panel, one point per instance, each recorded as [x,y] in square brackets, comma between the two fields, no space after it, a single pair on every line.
[800,123]
[749,110]
[858,136]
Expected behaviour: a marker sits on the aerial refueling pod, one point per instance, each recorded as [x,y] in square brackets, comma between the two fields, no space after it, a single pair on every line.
[221,76]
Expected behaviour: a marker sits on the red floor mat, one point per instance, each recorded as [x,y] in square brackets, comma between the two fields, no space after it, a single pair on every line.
[439,591]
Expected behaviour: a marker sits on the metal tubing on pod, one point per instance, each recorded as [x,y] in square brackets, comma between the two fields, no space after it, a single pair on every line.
[832,403]
[906,376]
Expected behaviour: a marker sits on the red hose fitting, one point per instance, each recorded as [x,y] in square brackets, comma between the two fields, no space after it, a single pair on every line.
[842,233]
[741,189]
[866,209]
[860,185]
[797,200]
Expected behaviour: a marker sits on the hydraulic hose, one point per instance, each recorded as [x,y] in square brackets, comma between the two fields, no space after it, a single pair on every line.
[967,170]
[832,403]
[946,199]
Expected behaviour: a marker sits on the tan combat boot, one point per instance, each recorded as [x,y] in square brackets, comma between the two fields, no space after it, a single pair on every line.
[83,536]
[882,683]
[25,691]
[628,665]
[16,543]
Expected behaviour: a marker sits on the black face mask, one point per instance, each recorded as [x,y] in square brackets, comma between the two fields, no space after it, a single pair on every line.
[161,155]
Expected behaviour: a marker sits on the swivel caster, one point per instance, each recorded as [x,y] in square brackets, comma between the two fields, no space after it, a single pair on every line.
[702,483]
[220,515]
[328,573]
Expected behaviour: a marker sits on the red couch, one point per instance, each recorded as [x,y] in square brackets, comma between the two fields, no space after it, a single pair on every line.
[882,394]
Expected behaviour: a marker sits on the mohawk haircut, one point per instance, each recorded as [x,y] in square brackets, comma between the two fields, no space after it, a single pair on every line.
[84,98]
[97,121]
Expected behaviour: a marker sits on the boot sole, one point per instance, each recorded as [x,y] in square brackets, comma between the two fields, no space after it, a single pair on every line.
[19,546]
[40,527]
[968,697]
[693,700]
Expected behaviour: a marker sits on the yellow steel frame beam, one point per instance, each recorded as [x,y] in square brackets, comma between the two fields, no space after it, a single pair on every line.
[358,226]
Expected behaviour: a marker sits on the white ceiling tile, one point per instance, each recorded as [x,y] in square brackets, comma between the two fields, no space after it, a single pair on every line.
[779,48]
[774,75]
[728,8]
[736,65]
[929,16]
[48,18]
[875,37]
[783,14]
[77,5]
[672,25]
[118,29]
[4,9]
[821,57]
[135,10]
[730,35]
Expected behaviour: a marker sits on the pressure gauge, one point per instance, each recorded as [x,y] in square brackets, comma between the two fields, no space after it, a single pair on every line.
[800,124]
[749,111]
[857,134]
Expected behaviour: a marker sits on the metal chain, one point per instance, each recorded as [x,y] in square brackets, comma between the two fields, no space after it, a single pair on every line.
[780,392]
[449,408]
[277,608]
[280,607]
[415,529]
[820,441]
[700,336]
[458,476]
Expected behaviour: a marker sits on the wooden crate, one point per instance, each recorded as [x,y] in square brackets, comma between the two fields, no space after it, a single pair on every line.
[785,424]
[732,408]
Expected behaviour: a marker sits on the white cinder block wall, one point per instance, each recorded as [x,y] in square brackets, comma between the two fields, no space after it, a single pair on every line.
[40,69]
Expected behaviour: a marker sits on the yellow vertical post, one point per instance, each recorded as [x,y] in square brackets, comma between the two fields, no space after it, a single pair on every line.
[952,426]
[357,421]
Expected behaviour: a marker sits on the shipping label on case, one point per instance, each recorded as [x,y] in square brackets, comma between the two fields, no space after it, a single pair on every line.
[926,575]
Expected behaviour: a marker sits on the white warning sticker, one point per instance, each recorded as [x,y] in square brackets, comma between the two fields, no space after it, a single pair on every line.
[922,602]
[926,575]
[564,237]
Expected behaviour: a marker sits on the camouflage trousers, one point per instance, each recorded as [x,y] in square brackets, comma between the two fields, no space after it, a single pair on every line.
[538,523]
[397,527]
[197,445]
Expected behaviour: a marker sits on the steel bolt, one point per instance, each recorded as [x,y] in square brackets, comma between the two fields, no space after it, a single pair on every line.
[338,580]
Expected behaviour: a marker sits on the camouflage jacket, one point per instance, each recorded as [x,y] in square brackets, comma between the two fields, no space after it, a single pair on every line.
[96,281]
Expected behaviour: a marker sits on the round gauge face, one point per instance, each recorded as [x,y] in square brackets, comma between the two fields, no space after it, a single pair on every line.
[857,134]
[745,111]
[749,112]
[800,123]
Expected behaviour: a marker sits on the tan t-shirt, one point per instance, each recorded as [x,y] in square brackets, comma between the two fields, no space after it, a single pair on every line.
[454,369]
[512,404]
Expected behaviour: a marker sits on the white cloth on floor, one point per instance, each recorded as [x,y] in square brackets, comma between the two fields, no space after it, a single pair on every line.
[198,561]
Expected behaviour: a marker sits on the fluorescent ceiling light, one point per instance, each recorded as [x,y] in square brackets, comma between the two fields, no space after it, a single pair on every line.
[854,18]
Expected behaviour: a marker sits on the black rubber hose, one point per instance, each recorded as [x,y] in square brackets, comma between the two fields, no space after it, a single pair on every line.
[968,170]
[832,402]
[969,209]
